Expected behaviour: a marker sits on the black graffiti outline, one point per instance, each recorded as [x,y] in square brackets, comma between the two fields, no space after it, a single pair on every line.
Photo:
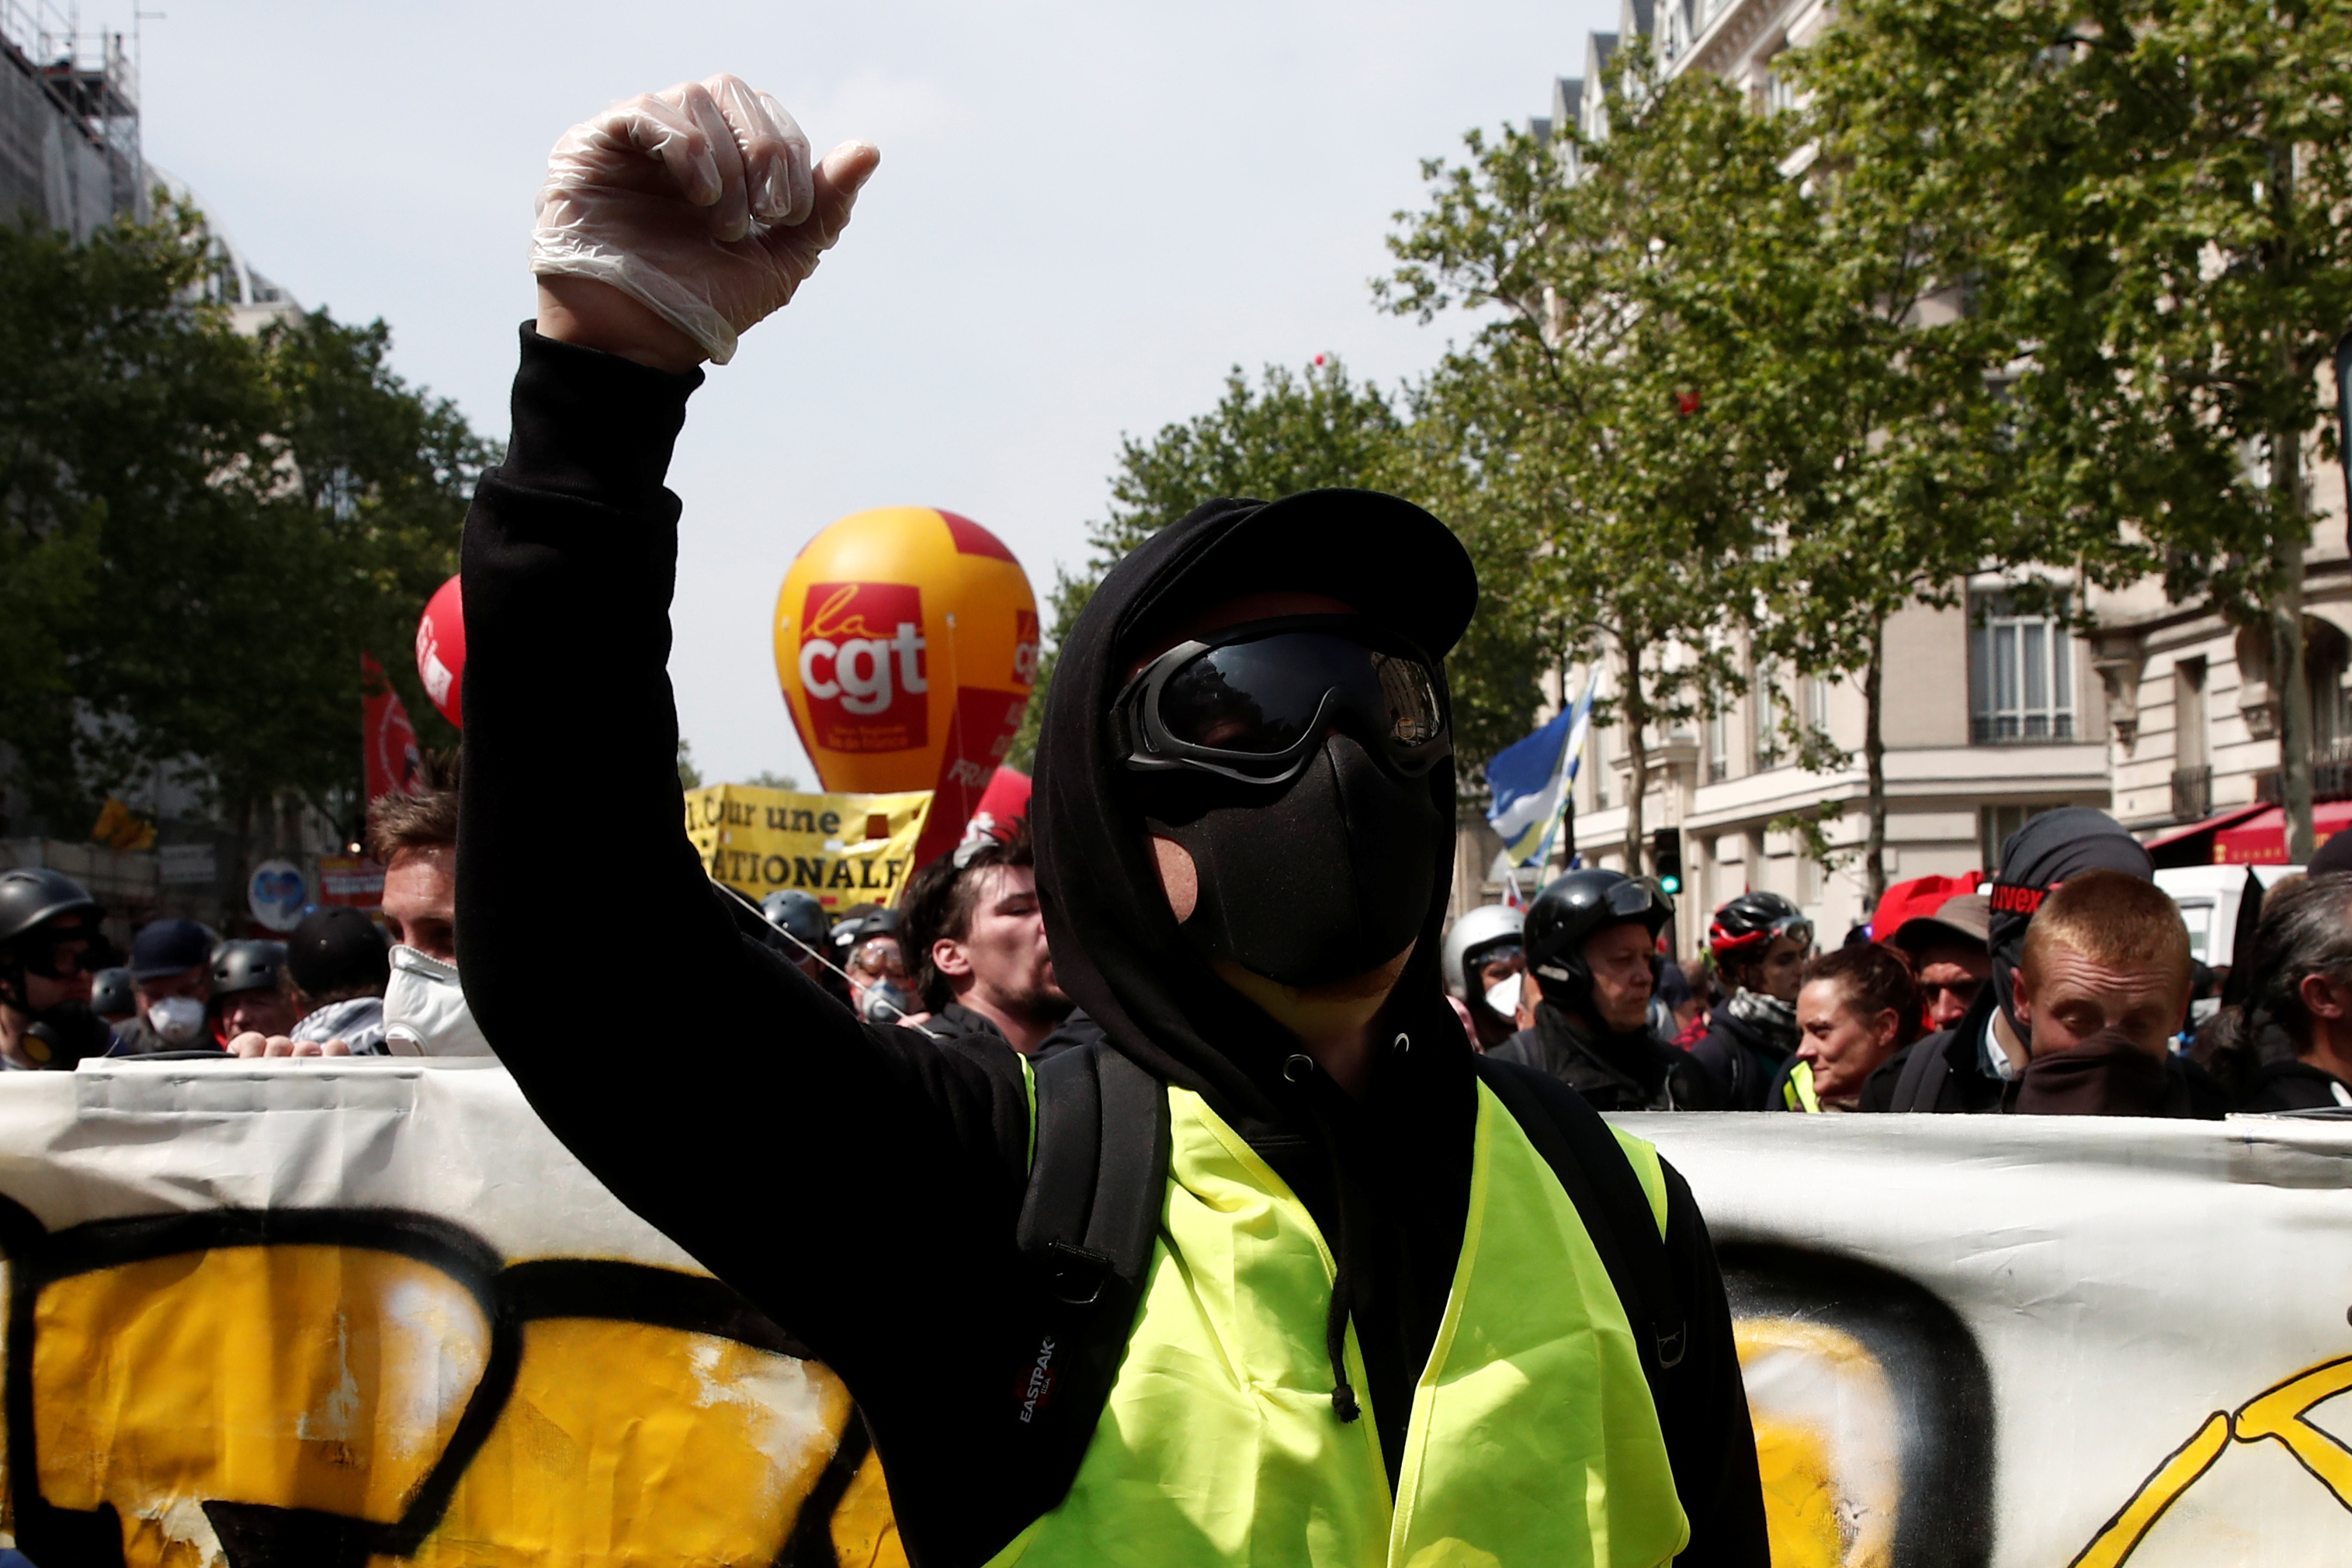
[1935,1370]
[510,1296]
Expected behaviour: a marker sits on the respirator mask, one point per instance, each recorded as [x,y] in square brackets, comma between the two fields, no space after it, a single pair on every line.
[424,1011]
[1290,758]
[177,1021]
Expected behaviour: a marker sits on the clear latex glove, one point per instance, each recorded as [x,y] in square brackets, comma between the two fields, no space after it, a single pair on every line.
[699,203]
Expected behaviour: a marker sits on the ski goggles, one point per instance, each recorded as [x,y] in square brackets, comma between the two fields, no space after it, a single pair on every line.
[1254,703]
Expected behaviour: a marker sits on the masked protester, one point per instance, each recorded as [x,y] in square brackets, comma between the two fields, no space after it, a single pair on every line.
[172,982]
[1482,951]
[1591,947]
[1243,821]
[2101,990]
[1969,1067]
[415,838]
[51,949]
[1762,944]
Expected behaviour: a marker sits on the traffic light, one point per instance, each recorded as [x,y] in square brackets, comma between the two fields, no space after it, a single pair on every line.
[1666,855]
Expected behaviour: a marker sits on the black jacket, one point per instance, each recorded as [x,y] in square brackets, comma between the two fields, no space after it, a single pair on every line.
[1940,1072]
[2293,1086]
[1612,1072]
[906,1155]
[1742,1059]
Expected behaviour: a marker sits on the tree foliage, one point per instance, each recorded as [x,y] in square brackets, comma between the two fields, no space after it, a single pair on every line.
[1291,431]
[1607,435]
[2155,194]
[201,532]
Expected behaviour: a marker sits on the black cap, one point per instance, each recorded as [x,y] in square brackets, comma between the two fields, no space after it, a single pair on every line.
[169,947]
[336,948]
[2040,856]
[1388,558]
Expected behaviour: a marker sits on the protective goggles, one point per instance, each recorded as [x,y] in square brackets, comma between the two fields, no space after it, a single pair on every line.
[1254,703]
[62,954]
[1796,927]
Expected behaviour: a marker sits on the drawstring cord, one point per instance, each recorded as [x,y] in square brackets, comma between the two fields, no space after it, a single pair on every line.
[1344,1403]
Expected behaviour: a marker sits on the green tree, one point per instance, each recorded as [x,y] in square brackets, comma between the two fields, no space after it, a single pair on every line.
[1600,431]
[1290,431]
[201,532]
[1880,396]
[2161,190]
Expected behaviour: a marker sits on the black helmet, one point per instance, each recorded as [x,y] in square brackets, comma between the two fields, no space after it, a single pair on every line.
[1745,927]
[799,916]
[1571,911]
[112,997]
[246,966]
[30,895]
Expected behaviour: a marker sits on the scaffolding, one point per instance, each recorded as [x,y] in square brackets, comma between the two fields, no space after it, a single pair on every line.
[88,91]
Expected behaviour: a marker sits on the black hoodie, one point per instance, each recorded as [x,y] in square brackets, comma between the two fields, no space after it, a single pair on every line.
[859,1184]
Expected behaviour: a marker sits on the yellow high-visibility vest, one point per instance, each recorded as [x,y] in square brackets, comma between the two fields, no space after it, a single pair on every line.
[1533,1441]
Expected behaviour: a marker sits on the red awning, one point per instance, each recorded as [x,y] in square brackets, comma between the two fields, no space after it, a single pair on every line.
[2260,839]
[2180,839]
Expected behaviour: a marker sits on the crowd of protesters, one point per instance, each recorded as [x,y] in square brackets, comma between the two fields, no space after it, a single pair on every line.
[2063,986]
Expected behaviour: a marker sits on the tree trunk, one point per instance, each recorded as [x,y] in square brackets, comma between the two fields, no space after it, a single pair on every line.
[2286,648]
[2293,538]
[1637,752]
[1873,756]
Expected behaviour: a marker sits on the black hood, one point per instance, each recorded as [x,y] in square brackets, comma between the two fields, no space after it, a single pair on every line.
[2046,851]
[1116,948]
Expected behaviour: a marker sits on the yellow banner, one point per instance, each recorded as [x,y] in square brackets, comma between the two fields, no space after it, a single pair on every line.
[844,848]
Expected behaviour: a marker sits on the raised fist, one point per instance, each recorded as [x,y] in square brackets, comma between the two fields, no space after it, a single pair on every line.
[700,204]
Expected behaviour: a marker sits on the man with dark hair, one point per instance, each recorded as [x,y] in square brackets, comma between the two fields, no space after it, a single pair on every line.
[1334,1261]
[2298,988]
[975,941]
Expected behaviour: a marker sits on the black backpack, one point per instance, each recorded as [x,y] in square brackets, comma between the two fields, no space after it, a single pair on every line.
[1096,1185]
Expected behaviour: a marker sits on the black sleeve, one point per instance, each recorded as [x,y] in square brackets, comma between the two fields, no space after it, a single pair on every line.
[840,1174]
[1708,1434]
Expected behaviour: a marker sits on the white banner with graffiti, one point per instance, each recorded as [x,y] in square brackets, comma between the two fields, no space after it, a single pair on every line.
[300,1315]
[2043,1340]
[360,1314]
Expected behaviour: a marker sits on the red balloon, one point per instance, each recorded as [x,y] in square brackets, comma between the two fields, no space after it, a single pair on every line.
[441,650]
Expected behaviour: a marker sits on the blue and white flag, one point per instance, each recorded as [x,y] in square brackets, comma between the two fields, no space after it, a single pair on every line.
[1532,779]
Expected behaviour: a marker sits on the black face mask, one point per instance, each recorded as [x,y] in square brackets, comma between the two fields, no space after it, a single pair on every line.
[1328,879]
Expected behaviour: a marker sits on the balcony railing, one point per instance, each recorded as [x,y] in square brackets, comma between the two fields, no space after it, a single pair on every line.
[2331,774]
[2192,793]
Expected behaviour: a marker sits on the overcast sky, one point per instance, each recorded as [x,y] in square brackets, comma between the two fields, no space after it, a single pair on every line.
[1084,214]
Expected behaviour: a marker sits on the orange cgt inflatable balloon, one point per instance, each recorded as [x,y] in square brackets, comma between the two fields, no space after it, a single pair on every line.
[907,646]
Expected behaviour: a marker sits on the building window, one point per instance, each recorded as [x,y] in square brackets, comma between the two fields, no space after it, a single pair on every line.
[1996,824]
[1764,706]
[1719,744]
[1599,764]
[2021,675]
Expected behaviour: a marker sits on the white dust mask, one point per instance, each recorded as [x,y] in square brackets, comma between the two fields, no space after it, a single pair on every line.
[177,1020]
[424,1011]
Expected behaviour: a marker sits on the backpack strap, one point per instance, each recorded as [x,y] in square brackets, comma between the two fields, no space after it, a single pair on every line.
[1098,1183]
[1600,1180]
